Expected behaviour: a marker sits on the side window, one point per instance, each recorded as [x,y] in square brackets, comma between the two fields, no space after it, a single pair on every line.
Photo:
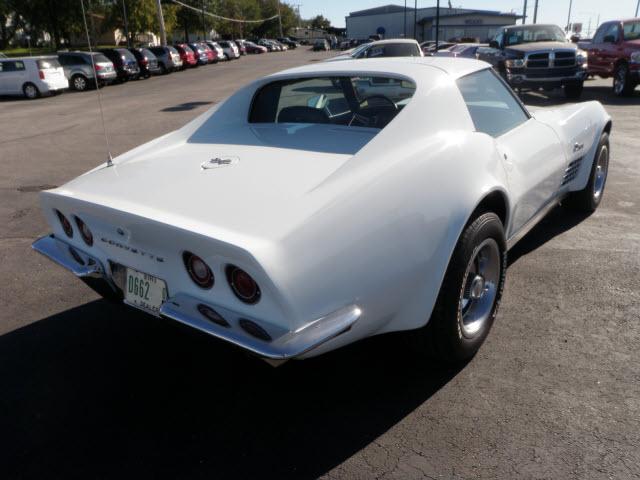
[500,38]
[599,36]
[19,65]
[613,31]
[492,105]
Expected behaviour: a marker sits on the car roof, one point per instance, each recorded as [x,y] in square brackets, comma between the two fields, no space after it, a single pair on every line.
[407,66]
[393,40]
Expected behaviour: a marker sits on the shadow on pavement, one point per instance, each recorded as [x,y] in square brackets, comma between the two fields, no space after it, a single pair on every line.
[557,221]
[101,391]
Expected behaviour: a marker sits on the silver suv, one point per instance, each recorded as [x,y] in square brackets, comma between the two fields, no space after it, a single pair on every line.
[78,69]
[168,58]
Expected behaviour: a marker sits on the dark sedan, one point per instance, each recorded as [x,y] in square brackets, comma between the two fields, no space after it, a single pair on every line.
[124,62]
[147,62]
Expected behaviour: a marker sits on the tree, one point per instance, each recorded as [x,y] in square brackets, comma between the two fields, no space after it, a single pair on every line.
[320,22]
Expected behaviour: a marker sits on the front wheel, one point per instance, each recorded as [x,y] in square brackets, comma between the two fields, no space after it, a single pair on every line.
[622,83]
[79,83]
[469,297]
[588,199]
[573,92]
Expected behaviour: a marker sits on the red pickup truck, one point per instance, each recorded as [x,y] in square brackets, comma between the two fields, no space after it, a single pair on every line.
[615,52]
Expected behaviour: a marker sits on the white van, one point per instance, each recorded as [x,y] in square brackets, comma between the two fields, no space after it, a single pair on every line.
[31,76]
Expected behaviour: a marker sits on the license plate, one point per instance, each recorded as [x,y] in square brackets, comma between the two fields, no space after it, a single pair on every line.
[144,291]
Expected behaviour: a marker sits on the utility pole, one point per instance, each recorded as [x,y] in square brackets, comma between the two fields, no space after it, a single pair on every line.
[415,17]
[535,12]
[569,17]
[405,19]
[163,34]
[280,20]
[204,27]
[437,24]
[126,23]
[524,13]
[637,7]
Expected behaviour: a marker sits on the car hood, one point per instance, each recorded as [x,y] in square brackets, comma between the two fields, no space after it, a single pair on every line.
[535,46]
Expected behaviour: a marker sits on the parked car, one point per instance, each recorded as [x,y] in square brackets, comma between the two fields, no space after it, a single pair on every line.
[253,48]
[168,58]
[430,262]
[615,52]
[288,42]
[147,62]
[241,46]
[32,76]
[537,57]
[270,46]
[186,55]
[230,49]
[216,48]
[202,58]
[81,71]
[429,47]
[124,62]
[320,44]
[212,54]
[462,50]
[382,48]
[281,46]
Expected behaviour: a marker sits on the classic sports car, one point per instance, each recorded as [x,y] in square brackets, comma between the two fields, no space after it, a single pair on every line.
[307,211]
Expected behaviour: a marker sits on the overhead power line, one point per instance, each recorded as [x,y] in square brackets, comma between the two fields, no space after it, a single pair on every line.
[220,17]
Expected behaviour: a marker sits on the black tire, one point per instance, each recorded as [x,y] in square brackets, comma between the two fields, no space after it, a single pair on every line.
[445,337]
[588,199]
[573,92]
[30,91]
[623,85]
[79,82]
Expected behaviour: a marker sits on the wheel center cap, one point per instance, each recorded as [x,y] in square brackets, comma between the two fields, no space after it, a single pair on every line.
[477,287]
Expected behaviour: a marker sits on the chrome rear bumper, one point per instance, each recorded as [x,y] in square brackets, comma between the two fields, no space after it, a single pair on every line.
[184,309]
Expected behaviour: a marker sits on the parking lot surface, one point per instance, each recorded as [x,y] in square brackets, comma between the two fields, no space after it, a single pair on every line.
[94,390]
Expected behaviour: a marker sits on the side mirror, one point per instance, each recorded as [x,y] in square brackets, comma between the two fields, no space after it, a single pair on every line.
[494,44]
[609,39]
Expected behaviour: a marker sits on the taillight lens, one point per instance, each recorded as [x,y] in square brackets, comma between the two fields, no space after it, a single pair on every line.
[65,223]
[243,285]
[41,74]
[198,270]
[85,233]
[98,68]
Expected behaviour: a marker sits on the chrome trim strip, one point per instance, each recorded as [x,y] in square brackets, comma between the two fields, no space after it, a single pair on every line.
[532,222]
[76,261]
[183,308]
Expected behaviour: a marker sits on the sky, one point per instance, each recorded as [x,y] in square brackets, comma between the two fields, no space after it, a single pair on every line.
[549,11]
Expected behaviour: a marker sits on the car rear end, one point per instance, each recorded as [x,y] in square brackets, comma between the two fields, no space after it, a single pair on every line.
[211,56]
[50,75]
[130,65]
[104,69]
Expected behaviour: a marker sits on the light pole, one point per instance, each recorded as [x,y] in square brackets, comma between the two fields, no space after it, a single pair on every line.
[637,6]
[535,12]
[437,25]
[415,17]
[569,17]
[405,19]
[163,33]
[280,20]
[126,23]
[524,13]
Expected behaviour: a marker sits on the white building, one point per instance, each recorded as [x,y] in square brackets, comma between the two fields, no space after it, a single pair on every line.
[393,21]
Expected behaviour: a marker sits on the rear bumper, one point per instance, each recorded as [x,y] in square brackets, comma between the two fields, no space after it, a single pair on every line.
[185,309]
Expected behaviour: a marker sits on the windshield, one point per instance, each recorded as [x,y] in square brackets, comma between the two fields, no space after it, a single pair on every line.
[632,30]
[533,33]
[359,101]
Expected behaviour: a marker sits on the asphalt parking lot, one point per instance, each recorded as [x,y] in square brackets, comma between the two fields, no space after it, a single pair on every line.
[94,390]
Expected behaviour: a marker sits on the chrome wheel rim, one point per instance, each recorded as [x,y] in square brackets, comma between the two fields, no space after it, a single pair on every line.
[30,91]
[479,288]
[79,83]
[619,80]
[602,168]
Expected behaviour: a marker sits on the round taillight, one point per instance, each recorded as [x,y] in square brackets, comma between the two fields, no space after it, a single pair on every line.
[244,287]
[198,270]
[66,224]
[211,315]
[85,233]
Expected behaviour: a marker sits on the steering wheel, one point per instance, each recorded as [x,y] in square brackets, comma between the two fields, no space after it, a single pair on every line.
[379,111]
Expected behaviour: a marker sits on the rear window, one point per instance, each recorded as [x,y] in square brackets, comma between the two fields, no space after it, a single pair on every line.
[173,50]
[157,50]
[126,54]
[48,63]
[393,50]
[358,101]
[100,58]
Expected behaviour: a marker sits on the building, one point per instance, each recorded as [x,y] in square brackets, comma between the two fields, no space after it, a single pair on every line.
[394,21]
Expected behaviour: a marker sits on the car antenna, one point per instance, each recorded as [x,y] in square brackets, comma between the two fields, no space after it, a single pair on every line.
[95,79]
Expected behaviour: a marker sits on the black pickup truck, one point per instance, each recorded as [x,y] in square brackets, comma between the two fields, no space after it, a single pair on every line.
[537,57]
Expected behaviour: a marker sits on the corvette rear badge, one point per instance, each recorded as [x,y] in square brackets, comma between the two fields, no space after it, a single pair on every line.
[219,162]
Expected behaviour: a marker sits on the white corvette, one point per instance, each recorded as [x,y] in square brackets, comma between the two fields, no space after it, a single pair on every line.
[332,202]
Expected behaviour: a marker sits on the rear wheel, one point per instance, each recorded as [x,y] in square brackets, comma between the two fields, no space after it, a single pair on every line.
[573,92]
[470,293]
[588,199]
[79,83]
[30,91]
[622,84]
